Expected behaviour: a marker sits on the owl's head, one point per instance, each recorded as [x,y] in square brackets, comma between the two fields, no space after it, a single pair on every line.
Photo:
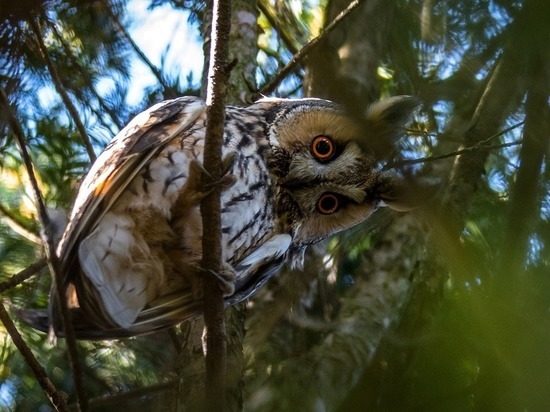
[327,165]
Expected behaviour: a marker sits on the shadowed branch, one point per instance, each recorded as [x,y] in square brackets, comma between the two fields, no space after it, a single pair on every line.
[299,57]
[73,112]
[49,246]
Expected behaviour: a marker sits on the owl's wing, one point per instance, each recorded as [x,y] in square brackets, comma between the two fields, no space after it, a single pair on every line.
[167,311]
[113,170]
[121,160]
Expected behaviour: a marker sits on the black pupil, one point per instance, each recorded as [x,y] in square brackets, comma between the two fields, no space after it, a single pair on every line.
[323,147]
[328,203]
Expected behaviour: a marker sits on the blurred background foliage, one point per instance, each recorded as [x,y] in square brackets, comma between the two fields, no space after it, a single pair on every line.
[445,308]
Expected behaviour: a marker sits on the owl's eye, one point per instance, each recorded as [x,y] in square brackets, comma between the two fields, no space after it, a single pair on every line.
[328,203]
[322,148]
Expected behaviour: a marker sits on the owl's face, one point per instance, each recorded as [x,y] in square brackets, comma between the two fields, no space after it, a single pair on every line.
[326,168]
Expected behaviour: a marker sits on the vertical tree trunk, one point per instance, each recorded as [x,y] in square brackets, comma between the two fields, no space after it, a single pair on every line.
[243,48]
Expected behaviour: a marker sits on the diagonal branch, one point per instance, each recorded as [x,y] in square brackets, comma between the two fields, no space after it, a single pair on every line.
[23,275]
[56,398]
[154,69]
[61,90]
[49,247]
[86,76]
[119,399]
[470,149]
[218,76]
[298,58]
[269,14]
[496,102]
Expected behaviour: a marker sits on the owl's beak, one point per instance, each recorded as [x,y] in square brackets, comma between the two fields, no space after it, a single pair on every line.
[290,183]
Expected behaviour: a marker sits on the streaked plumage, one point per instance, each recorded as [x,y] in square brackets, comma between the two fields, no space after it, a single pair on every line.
[297,172]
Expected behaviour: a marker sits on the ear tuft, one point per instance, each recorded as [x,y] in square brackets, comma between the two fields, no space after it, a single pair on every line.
[386,121]
[403,194]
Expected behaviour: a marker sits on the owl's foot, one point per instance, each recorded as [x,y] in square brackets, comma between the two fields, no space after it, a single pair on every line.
[194,190]
[196,171]
[225,278]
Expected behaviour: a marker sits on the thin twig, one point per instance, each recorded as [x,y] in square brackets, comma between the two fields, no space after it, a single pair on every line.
[23,275]
[476,148]
[218,76]
[112,400]
[501,133]
[56,398]
[297,59]
[49,247]
[154,69]
[69,53]
[61,90]
[479,146]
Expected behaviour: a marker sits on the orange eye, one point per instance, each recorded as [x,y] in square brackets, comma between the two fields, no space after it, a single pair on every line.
[328,203]
[322,148]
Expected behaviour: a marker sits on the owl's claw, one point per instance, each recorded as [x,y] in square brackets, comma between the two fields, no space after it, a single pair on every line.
[194,190]
[226,279]
[196,171]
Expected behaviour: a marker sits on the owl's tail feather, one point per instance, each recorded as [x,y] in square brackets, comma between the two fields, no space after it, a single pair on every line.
[161,314]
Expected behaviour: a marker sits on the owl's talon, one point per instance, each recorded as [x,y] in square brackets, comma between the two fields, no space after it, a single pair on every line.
[226,278]
[227,163]
[196,170]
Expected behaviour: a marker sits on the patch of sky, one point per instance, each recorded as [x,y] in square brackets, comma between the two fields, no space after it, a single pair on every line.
[536,247]
[7,400]
[168,40]
[166,37]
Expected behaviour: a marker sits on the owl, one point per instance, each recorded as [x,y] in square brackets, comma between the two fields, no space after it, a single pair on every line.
[295,172]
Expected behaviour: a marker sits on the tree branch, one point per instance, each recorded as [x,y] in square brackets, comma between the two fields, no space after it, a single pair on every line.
[49,247]
[73,113]
[368,310]
[524,199]
[476,148]
[494,104]
[56,398]
[86,76]
[23,275]
[269,14]
[491,107]
[113,400]
[154,69]
[298,58]
[211,209]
